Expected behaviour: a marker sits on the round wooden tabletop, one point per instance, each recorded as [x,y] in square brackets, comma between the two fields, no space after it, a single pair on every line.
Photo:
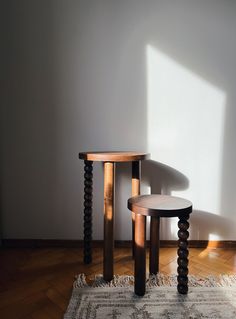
[159,205]
[113,156]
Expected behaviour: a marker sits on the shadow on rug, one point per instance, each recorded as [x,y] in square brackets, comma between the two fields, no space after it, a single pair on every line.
[212,297]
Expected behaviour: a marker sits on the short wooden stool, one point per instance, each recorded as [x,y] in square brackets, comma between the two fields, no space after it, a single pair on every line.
[158,206]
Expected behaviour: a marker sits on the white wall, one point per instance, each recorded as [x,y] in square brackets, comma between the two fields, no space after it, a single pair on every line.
[94,75]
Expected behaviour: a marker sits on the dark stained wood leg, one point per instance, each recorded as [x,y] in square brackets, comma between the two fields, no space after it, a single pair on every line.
[136,174]
[183,255]
[109,178]
[154,245]
[88,196]
[140,255]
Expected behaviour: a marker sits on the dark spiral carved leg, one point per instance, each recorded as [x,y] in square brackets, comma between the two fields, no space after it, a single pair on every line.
[88,197]
[183,255]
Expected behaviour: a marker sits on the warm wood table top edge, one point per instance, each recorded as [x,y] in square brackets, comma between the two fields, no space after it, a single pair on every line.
[159,205]
[116,156]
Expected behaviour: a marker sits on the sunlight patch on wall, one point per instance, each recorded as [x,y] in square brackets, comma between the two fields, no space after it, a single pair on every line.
[186,127]
[214,237]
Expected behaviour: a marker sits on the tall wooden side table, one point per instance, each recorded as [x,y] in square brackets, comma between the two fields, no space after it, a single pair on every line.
[109,159]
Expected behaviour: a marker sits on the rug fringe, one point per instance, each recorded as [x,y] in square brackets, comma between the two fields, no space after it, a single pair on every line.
[194,281]
[80,281]
[117,281]
[157,281]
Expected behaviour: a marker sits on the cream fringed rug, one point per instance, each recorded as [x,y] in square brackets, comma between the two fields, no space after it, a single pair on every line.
[213,298]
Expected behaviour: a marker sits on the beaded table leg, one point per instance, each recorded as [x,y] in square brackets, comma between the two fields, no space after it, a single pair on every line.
[140,255]
[88,196]
[136,173]
[183,255]
[154,245]
[109,178]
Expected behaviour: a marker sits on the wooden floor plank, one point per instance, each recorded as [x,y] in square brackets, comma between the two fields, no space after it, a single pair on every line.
[37,283]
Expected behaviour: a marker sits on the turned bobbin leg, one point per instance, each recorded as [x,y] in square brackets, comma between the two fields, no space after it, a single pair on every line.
[140,255]
[88,196]
[183,255]
[136,173]
[154,245]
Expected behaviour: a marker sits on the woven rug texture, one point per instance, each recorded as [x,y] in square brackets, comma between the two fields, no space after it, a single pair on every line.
[213,297]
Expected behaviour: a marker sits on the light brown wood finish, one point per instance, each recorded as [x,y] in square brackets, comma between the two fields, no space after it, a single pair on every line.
[109,159]
[109,177]
[37,283]
[136,175]
[113,156]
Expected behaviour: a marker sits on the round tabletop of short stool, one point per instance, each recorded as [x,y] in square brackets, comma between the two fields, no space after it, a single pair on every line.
[159,205]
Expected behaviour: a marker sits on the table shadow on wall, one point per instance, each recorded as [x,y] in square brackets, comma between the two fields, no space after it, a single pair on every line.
[163,179]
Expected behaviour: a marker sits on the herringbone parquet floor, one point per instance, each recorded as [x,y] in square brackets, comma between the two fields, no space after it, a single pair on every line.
[37,283]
